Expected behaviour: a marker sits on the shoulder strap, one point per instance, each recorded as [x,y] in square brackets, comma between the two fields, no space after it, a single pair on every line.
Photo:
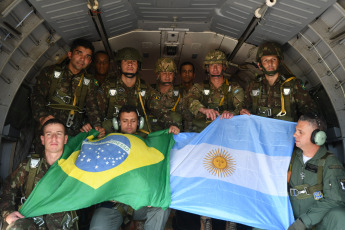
[319,185]
[290,165]
[112,96]
[226,90]
[56,78]
[255,100]
[83,92]
[283,111]
[142,105]
[178,95]
[34,165]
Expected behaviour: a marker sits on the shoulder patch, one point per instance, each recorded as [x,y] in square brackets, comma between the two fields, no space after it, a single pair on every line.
[303,86]
[157,97]
[96,82]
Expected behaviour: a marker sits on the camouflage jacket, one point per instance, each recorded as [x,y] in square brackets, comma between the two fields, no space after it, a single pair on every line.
[101,94]
[199,96]
[15,186]
[123,95]
[261,97]
[161,109]
[65,89]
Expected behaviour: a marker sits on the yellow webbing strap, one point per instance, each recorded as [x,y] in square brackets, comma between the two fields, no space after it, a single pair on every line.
[222,100]
[75,94]
[178,99]
[143,131]
[142,106]
[283,111]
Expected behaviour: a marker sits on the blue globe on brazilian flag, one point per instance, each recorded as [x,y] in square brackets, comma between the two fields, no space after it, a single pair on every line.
[120,167]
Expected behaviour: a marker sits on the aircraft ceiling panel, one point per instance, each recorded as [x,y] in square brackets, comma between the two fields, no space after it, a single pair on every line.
[190,14]
[285,19]
[233,17]
[70,18]
[117,16]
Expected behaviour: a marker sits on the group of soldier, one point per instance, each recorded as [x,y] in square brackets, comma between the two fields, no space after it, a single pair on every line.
[67,100]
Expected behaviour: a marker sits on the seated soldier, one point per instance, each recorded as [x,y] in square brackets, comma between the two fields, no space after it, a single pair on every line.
[111,214]
[317,182]
[27,175]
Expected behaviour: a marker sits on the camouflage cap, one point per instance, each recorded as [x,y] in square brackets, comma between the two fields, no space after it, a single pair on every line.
[269,48]
[165,65]
[129,53]
[215,57]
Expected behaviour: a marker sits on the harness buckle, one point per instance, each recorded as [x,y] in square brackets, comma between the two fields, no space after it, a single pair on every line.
[22,199]
[66,99]
[296,192]
[69,122]
[38,220]
[281,114]
[266,111]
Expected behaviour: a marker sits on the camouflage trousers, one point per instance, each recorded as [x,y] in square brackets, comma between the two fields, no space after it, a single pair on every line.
[51,222]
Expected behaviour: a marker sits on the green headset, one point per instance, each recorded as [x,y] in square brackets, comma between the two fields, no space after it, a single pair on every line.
[318,136]
[117,123]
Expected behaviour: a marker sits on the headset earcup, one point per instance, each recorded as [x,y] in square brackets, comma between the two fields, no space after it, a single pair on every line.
[116,124]
[141,122]
[318,137]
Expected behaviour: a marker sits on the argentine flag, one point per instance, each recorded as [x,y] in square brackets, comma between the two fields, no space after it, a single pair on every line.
[235,170]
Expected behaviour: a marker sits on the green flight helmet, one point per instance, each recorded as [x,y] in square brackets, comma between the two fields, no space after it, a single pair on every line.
[129,53]
[165,65]
[215,57]
[269,48]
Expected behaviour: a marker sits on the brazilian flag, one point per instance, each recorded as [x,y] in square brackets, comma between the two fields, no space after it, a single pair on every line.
[120,167]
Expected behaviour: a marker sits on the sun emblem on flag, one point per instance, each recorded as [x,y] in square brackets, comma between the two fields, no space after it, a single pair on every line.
[219,163]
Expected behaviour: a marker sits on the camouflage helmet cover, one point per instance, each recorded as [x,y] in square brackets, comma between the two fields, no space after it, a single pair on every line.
[129,53]
[269,48]
[215,57]
[165,65]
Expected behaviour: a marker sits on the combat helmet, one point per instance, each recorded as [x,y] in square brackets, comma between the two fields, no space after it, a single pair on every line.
[165,65]
[269,48]
[215,57]
[129,53]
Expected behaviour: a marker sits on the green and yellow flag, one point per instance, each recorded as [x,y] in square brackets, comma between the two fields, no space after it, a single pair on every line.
[120,167]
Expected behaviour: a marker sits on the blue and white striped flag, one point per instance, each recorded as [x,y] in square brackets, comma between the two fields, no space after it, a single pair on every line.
[235,170]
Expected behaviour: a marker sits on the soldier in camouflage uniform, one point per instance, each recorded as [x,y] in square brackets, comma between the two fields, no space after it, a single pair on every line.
[187,74]
[217,96]
[67,93]
[206,101]
[102,66]
[166,103]
[128,88]
[111,214]
[21,182]
[272,94]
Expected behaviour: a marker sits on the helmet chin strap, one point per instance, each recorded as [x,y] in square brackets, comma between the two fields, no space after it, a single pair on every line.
[270,73]
[129,75]
[221,74]
[167,83]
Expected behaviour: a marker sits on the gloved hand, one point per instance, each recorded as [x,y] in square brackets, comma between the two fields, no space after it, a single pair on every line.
[297,225]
